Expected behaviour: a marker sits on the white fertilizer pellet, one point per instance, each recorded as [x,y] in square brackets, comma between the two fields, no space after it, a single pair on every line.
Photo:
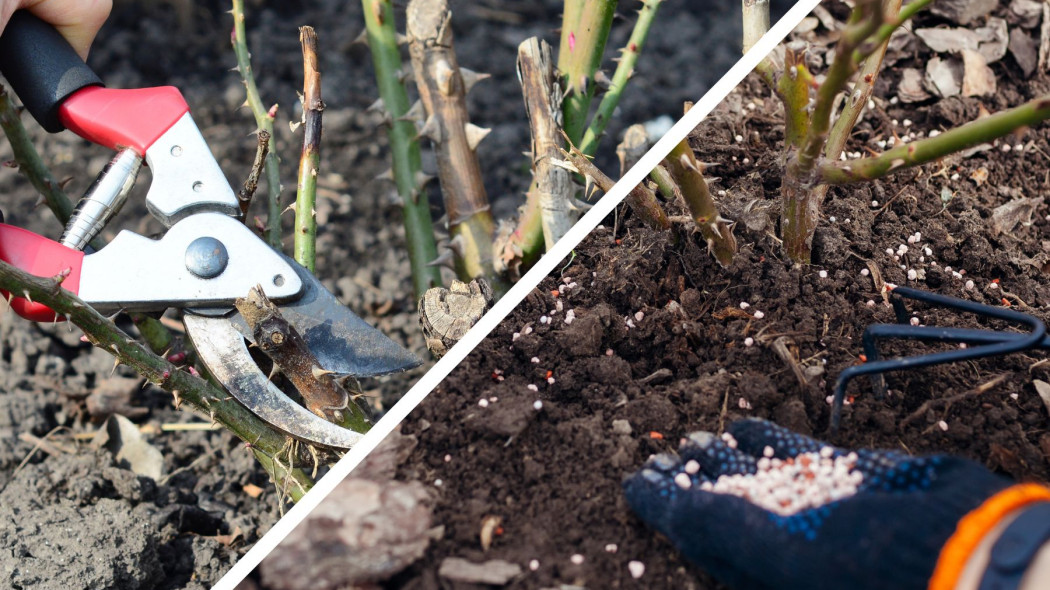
[759,315]
[576,559]
[484,403]
[683,481]
[749,341]
[534,565]
[537,405]
[611,548]
[636,568]
[789,486]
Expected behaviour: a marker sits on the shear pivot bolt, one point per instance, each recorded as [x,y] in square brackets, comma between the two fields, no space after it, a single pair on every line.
[206,257]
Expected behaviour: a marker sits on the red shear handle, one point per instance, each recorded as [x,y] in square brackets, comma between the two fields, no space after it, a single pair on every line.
[42,257]
[60,90]
[123,118]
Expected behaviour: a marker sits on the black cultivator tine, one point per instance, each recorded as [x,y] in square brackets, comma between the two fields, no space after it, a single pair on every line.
[990,342]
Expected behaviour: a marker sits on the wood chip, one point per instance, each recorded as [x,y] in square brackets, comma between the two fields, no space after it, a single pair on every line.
[978,78]
[446,315]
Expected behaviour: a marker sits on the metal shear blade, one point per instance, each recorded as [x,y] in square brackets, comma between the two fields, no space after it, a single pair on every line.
[343,342]
[223,351]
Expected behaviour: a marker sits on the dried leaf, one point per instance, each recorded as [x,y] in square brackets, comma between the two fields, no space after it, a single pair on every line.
[1008,216]
[122,438]
[978,78]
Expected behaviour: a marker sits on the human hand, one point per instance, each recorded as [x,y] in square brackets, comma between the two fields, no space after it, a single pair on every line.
[870,519]
[76,20]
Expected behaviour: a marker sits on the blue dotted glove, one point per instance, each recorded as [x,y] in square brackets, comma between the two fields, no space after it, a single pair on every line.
[888,534]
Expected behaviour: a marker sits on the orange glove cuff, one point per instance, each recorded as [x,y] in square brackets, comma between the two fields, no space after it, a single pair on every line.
[975,526]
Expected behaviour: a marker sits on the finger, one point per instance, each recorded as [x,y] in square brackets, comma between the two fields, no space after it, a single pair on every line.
[713,456]
[76,20]
[704,526]
[761,438]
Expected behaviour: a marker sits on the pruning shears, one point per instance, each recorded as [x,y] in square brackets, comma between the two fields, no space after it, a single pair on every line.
[205,260]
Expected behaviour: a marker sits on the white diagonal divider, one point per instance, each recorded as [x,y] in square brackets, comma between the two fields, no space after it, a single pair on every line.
[517,293]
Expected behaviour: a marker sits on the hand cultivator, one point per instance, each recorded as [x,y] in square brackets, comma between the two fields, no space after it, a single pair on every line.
[206,259]
[985,343]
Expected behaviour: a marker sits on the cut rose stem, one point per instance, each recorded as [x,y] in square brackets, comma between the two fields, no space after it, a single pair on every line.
[39,175]
[289,352]
[584,33]
[198,393]
[641,199]
[634,145]
[931,148]
[688,175]
[551,185]
[263,120]
[305,242]
[404,146]
[247,192]
[624,71]
[756,21]
[443,87]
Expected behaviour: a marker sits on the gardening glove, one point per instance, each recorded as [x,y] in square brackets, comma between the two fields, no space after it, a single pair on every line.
[870,519]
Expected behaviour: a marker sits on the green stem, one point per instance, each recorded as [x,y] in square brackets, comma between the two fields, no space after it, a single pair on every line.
[29,161]
[386,59]
[525,245]
[931,148]
[864,21]
[793,89]
[584,32]
[293,483]
[688,175]
[623,73]
[309,161]
[858,99]
[263,120]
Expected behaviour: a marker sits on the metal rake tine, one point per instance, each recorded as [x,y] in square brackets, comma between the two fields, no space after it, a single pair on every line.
[996,343]
[878,332]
